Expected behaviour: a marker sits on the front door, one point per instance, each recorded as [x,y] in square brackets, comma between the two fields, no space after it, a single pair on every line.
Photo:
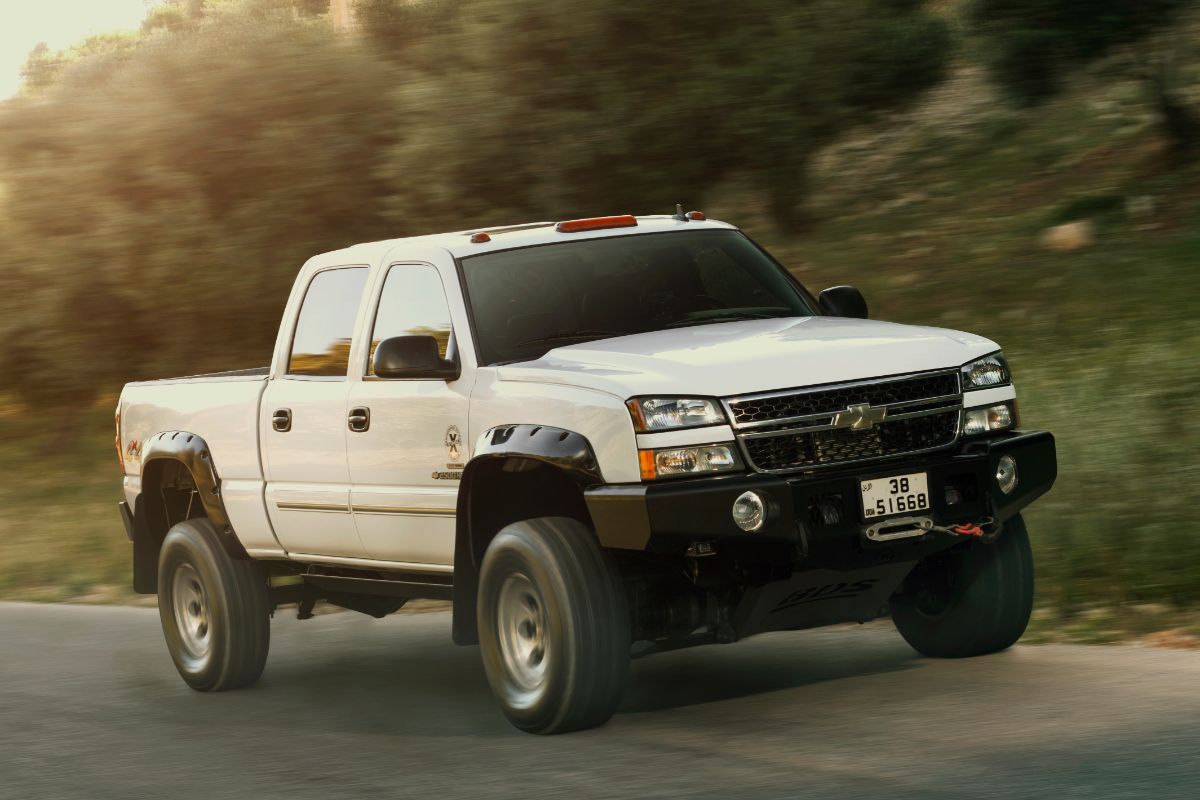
[406,464]
[304,426]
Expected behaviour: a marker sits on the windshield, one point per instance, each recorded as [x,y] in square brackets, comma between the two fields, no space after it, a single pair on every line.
[528,301]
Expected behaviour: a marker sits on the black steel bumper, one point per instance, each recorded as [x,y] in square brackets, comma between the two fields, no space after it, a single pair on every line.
[821,510]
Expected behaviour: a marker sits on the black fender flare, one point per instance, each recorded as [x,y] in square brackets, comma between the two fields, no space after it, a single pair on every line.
[190,450]
[567,451]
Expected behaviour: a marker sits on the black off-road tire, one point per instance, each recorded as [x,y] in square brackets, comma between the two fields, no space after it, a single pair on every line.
[546,584]
[215,609]
[969,601]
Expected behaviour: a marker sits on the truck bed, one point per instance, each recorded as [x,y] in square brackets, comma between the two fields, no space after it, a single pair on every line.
[223,409]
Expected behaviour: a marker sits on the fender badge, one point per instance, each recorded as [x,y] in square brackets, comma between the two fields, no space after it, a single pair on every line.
[453,446]
[134,449]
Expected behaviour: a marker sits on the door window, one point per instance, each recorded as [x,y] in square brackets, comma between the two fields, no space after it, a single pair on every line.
[413,303]
[321,343]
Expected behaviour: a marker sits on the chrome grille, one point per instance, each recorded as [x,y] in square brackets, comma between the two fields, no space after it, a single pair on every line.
[825,426]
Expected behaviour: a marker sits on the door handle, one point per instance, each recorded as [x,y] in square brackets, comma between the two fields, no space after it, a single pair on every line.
[359,419]
[281,420]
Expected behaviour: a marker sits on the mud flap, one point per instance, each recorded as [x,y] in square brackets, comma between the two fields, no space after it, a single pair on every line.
[818,597]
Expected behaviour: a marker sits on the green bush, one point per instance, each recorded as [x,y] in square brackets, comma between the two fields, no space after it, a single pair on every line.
[1033,44]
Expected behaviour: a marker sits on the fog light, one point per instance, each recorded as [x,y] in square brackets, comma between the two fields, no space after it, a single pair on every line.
[1006,474]
[749,512]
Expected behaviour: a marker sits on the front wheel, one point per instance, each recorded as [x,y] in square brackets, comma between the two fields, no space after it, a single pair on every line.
[553,626]
[215,610]
[969,601]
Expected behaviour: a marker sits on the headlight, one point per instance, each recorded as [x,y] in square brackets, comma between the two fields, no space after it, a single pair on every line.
[988,419]
[985,373]
[676,461]
[670,413]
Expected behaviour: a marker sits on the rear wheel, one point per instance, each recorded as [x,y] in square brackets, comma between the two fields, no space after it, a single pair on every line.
[553,626]
[214,609]
[969,601]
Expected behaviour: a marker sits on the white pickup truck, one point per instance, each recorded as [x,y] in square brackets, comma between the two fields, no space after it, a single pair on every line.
[599,438]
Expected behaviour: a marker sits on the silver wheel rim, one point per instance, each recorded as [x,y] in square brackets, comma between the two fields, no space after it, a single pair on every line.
[189,602]
[524,639]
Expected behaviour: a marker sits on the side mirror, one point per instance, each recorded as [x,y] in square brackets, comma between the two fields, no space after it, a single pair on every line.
[843,301]
[413,357]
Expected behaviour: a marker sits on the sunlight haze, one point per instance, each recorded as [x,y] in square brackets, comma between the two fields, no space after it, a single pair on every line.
[58,23]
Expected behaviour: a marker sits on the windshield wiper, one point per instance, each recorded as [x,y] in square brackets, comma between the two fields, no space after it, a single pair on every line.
[563,336]
[731,317]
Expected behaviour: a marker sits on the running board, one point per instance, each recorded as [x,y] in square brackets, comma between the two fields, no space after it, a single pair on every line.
[428,587]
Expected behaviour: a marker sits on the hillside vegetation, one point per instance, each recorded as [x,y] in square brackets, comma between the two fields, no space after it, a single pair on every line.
[936,207]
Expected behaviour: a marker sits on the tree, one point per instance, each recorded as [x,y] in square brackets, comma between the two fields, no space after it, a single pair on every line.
[406,33]
[43,67]
[154,223]
[1032,46]
[158,197]
[581,106]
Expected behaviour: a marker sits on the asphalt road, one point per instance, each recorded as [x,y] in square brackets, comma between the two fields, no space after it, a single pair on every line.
[349,707]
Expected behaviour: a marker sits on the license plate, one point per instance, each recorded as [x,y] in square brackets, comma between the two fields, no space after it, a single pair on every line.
[898,494]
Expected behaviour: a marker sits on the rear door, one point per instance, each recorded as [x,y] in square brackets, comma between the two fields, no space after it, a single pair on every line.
[304,423]
[406,464]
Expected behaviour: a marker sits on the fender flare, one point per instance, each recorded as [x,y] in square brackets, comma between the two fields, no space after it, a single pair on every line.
[193,453]
[567,451]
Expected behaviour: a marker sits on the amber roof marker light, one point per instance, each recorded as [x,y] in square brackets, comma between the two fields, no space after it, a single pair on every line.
[596,223]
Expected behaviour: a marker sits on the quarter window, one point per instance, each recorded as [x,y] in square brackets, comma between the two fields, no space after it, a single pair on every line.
[413,303]
[325,328]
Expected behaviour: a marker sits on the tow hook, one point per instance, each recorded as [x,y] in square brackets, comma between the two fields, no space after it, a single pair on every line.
[981,530]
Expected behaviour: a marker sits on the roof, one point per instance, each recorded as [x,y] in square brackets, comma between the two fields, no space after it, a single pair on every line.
[504,237]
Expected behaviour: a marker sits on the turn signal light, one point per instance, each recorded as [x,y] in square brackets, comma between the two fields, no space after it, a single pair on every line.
[596,223]
[646,462]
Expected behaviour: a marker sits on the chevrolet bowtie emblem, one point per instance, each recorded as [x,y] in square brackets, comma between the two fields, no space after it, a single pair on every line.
[861,417]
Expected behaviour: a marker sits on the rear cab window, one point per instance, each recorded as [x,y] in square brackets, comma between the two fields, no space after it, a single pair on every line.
[325,326]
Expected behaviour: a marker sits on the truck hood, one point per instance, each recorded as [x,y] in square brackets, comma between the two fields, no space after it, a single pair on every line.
[732,358]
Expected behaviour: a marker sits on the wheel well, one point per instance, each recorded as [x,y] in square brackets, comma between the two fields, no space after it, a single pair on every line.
[512,489]
[169,496]
[495,493]
[179,481]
